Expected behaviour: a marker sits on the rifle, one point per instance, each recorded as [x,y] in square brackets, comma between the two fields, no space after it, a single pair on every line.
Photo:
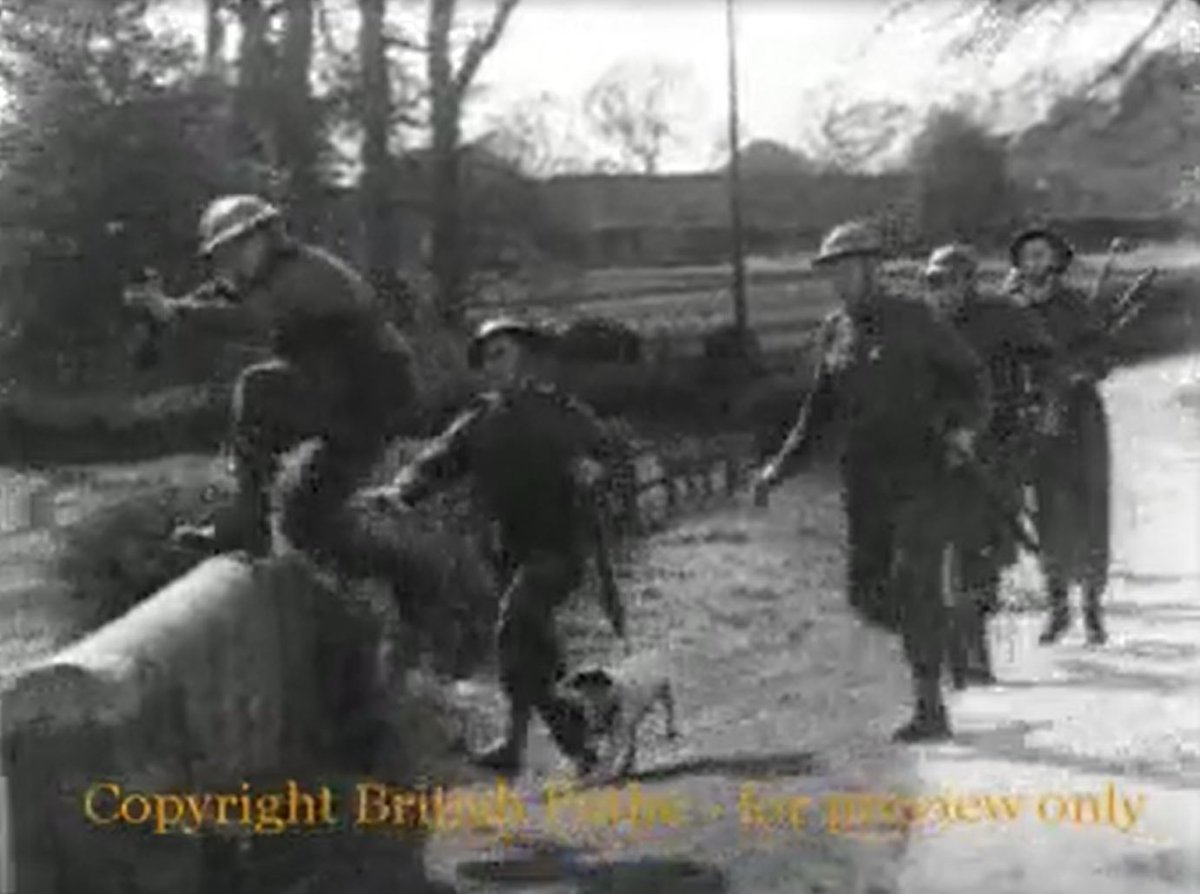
[1106,271]
[1130,305]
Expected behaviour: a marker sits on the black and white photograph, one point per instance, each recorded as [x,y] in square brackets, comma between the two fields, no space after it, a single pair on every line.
[599,446]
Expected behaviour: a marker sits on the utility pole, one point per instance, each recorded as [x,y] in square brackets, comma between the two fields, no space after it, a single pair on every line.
[735,183]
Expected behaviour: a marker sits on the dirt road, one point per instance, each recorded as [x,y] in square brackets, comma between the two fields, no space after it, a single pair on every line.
[1084,764]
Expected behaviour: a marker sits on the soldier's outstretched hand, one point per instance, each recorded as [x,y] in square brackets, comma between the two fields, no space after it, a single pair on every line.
[148,299]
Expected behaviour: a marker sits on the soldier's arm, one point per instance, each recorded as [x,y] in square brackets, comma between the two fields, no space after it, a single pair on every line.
[966,393]
[210,309]
[1088,351]
[441,463]
[815,412]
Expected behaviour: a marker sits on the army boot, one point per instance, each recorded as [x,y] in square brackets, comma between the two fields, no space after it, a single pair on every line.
[1060,614]
[1094,618]
[929,722]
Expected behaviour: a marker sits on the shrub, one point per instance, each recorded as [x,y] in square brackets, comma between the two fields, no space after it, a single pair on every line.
[121,553]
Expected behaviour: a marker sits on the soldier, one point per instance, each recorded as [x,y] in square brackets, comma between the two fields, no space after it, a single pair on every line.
[912,395]
[1072,487]
[340,374]
[533,454]
[1016,348]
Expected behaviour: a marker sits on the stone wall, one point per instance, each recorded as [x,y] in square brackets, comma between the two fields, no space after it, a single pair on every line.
[219,680]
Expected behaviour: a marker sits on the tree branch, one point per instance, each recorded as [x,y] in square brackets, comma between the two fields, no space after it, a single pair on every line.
[1121,64]
[404,42]
[482,45]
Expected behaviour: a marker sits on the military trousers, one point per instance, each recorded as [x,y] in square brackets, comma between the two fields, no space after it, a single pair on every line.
[897,539]
[530,654]
[1072,492]
[983,538]
[279,404]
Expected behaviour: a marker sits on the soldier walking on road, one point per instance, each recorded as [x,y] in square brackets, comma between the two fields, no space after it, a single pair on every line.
[912,395]
[1016,349]
[340,374]
[1073,462]
[533,454]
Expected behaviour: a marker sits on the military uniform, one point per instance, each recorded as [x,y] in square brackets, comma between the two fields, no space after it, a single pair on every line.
[1072,485]
[1073,464]
[341,373]
[518,448]
[896,379]
[1016,349]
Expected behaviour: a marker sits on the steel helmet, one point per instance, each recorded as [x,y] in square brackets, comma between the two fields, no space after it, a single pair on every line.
[848,240]
[230,217]
[955,259]
[531,333]
[1058,242]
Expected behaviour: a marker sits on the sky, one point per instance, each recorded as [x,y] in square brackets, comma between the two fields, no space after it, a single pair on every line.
[796,57]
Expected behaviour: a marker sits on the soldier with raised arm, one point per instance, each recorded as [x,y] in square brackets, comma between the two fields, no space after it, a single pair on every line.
[912,396]
[533,454]
[1073,462]
[340,373]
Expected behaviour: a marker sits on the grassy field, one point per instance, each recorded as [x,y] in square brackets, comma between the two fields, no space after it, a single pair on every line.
[785,296]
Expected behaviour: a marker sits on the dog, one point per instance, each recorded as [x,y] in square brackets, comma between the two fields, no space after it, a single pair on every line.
[615,702]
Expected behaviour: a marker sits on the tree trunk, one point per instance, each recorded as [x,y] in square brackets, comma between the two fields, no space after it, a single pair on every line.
[298,131]
[214,38]
[377,186]
[448,88]
[254,69]
[446,259]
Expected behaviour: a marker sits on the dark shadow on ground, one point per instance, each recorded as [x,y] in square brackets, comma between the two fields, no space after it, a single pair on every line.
[642,876]
[1097,674]
[1007,742]
[742,766]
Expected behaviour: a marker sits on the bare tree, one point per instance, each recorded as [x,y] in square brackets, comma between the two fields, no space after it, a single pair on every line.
[252,100]
[376,185]
[214,36]
[853,134]
[639,108]
[297,124]
[537,135]
[448,86]
[988,27]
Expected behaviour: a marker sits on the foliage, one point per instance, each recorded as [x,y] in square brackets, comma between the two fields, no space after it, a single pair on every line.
[120,554]
[960,184]
[109,153]
[641,109]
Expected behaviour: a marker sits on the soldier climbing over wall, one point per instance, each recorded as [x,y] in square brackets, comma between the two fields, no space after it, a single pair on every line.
[913,396]
[340,374]
[1016,348]
[534,454]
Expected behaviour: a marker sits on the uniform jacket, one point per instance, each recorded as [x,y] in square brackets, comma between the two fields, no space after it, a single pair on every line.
[894,379]
[325,320]
[311,305]
[1077,327]
[1017,350]
[518,449]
